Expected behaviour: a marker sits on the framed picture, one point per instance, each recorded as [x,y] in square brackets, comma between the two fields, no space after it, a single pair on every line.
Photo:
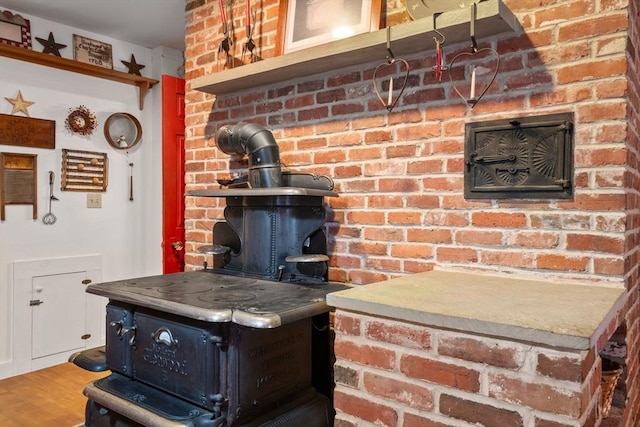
[307,23]
[15,30]
[92,52]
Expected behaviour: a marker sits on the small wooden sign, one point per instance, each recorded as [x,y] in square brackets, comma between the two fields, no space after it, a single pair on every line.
[92,52]
[27,132]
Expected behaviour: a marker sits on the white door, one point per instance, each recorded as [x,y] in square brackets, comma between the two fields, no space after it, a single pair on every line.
[59,312]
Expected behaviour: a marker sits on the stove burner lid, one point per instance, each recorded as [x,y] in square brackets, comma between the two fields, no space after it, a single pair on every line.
[213,297]
[184,288]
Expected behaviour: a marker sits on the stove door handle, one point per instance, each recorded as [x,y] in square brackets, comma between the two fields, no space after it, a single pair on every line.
[132,329]
[164,336]
[118,326]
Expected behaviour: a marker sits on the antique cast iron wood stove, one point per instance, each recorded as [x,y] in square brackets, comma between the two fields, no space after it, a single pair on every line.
[243,343]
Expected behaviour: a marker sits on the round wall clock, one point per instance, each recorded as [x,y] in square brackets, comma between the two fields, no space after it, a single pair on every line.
[81,120]
[122,131]
[423,8]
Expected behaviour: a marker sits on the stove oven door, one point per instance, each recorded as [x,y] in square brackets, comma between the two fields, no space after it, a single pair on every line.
[179,355]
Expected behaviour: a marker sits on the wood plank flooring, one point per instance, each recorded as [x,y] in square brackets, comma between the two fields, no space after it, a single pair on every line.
[48,397]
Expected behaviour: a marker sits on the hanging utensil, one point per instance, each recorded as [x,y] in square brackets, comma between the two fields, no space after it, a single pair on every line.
[50,218]
[250,45]
[227,42]
[441,62]
[131,181]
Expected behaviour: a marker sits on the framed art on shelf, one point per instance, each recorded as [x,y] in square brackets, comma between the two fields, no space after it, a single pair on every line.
[92,52]
[307,23]
[15,30]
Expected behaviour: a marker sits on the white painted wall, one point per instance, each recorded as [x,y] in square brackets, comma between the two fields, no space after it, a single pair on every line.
[126,234]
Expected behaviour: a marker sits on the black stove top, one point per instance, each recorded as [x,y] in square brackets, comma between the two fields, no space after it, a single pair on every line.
[213,297]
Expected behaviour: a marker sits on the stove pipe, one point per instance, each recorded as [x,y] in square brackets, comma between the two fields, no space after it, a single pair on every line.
[261,148]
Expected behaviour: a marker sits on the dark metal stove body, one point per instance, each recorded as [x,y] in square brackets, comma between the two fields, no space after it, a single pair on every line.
[245,343]
[272,233]
[230,349]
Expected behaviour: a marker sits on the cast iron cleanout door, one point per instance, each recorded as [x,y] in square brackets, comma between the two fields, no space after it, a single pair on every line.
[528,157]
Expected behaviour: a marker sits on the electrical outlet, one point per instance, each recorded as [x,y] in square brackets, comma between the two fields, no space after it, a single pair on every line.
[94,200]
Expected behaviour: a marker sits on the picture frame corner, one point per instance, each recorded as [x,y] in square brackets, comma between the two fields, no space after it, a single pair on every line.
[285,45]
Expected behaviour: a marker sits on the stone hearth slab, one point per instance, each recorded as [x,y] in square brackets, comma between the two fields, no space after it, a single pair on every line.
[545,312]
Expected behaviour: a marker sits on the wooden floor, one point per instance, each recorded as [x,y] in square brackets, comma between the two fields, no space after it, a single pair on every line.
[49,397]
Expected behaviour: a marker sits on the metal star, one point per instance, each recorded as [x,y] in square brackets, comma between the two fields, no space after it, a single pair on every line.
[134,68]
[19,104]
[50,45]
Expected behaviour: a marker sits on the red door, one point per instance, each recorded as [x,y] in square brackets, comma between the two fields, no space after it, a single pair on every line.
[172,174]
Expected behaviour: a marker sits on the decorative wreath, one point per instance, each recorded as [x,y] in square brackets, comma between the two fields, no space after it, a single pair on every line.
[81,120]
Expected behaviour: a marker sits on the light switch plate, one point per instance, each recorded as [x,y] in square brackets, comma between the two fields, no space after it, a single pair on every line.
[94,200]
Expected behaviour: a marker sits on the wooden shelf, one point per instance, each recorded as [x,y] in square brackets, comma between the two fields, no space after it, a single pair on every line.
[22,54]
[492,18]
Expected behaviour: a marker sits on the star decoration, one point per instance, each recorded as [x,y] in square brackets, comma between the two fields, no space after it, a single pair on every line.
[50,45]
[19,104]
[134,68]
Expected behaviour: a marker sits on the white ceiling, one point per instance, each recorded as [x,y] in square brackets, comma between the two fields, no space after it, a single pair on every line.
[148,23]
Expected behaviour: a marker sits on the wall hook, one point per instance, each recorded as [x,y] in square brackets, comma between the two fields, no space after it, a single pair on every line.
[435,30]
[390,56]
[472,29]
[440,60]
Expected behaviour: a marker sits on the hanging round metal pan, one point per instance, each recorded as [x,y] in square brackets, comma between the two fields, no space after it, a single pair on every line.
[424,8]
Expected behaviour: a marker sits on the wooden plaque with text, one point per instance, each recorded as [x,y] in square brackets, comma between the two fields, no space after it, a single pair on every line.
[27,132]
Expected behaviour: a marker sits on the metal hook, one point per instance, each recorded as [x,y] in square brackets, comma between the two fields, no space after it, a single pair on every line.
[390,57]
[440,60]
[225,46]
[472,29]
[435,30]
[250,45]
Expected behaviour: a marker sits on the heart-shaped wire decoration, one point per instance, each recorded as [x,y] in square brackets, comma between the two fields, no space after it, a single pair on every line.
[391,102]
[473,98]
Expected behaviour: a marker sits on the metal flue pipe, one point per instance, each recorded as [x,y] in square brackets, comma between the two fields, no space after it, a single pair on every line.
[261,148]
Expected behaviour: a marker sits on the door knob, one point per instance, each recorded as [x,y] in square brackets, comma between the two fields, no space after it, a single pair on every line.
[178,246]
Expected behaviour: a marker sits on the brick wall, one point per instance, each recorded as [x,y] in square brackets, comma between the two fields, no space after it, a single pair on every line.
[632,246]
[392,373]
[401,207]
